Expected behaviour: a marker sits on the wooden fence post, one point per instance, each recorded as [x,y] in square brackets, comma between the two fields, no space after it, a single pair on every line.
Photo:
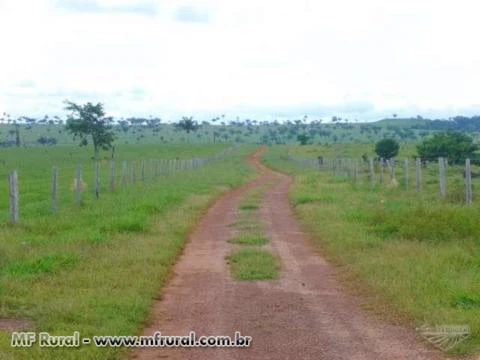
[392,169]
[418,175]
[442,177]
[355,171]
[372,173]
[389,167]
[143,170]
[97,179]
[112,175]
[78,185]
[14,197]
[468,182]
[124,172]
[381,170]
[55,189]
[134,172]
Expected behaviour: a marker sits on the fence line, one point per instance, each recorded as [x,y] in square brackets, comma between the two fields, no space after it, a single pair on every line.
[374,169]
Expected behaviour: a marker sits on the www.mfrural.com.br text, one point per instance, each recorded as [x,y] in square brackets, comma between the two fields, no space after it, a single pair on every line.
[45,339]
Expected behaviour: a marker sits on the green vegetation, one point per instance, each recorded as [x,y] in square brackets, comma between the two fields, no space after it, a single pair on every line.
[387,148]
[249,239]
[187,124]
[35,176]
[25,131]
[249,207]
[454,146]
[254,264]
[97,268]
[251,263]
[88,122]
[416,253]
[303,139]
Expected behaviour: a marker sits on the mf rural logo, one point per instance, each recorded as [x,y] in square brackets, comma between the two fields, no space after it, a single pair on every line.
[445,337]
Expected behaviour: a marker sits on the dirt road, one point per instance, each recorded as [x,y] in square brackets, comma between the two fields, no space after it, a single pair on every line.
[303,315]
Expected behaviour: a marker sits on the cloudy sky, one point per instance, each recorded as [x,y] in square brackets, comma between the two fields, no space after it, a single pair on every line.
[262,59]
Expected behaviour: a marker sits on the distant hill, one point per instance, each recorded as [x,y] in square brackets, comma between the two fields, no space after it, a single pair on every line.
[403,122]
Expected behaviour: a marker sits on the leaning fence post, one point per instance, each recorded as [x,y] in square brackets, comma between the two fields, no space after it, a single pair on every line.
[55,189]
[78,185]
[418,175]
[14,197]
[442,177]
[468,182]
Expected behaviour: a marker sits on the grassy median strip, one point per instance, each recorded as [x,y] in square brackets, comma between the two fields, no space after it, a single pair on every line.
[254,264]
[250,239]
[251,262]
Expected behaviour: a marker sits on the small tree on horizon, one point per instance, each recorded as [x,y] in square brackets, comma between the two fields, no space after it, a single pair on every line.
[387,148]
[88,122]
[187,124]
[303,139]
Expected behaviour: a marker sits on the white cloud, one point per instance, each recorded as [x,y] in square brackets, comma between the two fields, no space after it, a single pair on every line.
[253,58]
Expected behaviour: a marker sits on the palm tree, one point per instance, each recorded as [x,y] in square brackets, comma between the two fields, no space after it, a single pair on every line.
[187,124]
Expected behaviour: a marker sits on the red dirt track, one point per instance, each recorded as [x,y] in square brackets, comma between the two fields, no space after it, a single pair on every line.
[304,315]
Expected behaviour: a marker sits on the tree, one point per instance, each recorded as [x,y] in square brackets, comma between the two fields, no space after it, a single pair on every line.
[453,145]
[303,139]
[387,148]
[187,124]
[88,122]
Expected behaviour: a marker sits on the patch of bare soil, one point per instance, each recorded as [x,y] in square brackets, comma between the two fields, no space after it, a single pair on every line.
[304,315]
[12,325]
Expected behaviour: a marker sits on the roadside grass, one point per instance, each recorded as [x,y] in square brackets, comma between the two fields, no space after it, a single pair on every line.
[419,254]
[97,269]
[254,264]
[249,239]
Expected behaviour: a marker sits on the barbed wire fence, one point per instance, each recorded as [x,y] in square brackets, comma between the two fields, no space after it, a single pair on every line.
[131,173]
[377,171]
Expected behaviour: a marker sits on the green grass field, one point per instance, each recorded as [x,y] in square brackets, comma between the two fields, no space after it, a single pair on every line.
[410,252]
[97,268]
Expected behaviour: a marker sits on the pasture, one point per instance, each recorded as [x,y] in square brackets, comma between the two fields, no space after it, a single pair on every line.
[95,268]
